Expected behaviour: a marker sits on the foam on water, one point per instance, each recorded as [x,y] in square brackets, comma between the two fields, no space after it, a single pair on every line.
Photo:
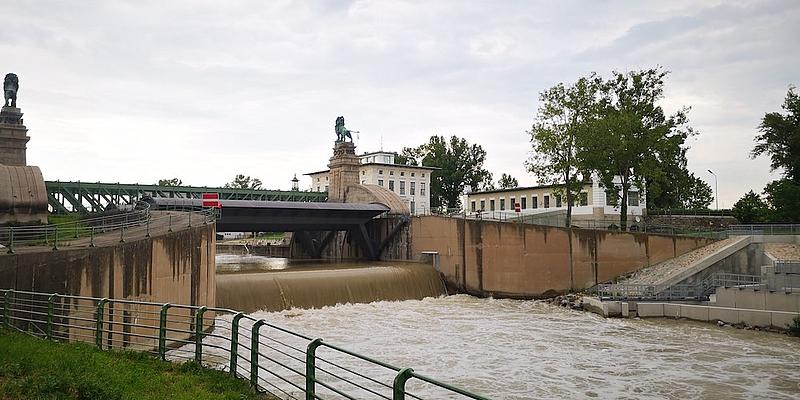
[512,349]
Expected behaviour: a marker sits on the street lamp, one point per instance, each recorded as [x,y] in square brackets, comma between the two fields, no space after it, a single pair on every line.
[716,188]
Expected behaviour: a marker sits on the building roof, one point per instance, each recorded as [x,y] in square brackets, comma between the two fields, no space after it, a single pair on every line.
[378,152]
[514,189]
[422,167]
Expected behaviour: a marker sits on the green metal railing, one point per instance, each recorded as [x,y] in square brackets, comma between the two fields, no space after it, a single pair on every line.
[136,223]
[274,359]
[92,197]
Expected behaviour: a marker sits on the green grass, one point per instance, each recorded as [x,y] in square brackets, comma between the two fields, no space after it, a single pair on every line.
[32,368]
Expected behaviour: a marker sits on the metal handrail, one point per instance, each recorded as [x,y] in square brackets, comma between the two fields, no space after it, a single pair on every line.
[248,345]
[764,229]
[128,224]
[698,291]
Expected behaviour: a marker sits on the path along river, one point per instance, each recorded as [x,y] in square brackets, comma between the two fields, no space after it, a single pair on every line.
[512,349]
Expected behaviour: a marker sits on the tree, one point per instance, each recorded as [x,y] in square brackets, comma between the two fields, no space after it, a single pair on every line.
[750,209]
[170,182]
[244,182]
[407,157]
[780,137]
[460,163]
[783,196]
[630,139]
[678,189]
[557,128]
[507,182]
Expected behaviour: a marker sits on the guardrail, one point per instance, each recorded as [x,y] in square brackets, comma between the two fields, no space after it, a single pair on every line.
[274,359]
[764,229]
[698,291]
[85,232]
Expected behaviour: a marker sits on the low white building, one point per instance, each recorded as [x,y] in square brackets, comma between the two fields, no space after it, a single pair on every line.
[411,183]
[593,203]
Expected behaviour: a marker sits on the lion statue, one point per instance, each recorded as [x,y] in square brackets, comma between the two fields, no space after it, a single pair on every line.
[10,88]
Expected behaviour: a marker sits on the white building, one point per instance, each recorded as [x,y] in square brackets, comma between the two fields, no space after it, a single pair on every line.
[411,183]
[593,203]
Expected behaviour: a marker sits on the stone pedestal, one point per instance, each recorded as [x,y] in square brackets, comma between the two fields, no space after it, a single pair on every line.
[13,137]
[344,167]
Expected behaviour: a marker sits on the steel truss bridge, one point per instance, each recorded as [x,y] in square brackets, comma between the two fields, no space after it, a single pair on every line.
[86,197]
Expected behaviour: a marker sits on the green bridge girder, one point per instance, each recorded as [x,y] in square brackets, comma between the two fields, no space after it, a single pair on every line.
[88,197]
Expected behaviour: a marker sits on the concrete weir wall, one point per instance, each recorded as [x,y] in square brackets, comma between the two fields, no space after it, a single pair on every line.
[176,267]
[527,261]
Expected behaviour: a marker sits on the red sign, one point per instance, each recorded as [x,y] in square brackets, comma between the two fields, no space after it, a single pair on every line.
[516,207]
[211,200]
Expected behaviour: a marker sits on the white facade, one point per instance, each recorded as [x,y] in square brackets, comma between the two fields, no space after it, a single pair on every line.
[547,198]
[411,183]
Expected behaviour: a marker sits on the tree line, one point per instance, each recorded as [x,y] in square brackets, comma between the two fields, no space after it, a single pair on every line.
[778,138]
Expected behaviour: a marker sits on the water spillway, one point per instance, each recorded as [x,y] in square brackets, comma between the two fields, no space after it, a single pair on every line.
[249,283]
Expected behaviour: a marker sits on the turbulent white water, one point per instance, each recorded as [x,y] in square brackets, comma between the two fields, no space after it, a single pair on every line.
[511,349]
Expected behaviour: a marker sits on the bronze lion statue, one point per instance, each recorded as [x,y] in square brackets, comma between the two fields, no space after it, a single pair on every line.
[10,88]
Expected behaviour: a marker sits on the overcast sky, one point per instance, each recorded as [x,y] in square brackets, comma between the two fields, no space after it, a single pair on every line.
[135,91]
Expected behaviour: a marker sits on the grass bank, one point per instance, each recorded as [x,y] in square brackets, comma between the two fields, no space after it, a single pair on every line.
[32,368]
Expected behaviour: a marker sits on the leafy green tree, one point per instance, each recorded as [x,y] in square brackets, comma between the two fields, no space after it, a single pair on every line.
[783,196]
[407,157]
[631,138]
[244,182]
[558,128]
[507,182]
[679,189]
[460,163]
[750,209]
[780,137]
[170,182]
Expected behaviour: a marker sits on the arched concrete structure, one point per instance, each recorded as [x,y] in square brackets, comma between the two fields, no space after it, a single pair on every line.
[23,197]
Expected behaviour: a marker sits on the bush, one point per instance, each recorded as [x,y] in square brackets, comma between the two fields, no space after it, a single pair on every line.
[794,328]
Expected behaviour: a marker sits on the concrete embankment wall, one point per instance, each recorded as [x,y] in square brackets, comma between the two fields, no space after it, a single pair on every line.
[525,261]
[175,267]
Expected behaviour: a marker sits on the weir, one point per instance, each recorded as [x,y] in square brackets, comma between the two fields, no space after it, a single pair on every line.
[317,285]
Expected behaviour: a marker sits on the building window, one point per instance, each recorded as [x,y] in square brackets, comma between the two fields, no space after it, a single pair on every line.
[326,179]
[535,201]
[317,179]
[380,182]
[472,206]
[423,174]
[546,201]
[422,189]
[413,189]
[412,174]
[502,204]
[558,200]
[583,199]
[513,205]
[391,172]
[380,172]
[402,173]
[326,188]
[363,172]
[391,185]
[319,188]
[524,203]
[483,205]
[611,198]
[402,186]
[633,199]
[491,205]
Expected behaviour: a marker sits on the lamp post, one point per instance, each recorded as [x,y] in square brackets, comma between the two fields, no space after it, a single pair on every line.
[716,188]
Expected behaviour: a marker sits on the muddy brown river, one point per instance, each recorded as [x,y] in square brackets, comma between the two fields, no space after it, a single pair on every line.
[512,349]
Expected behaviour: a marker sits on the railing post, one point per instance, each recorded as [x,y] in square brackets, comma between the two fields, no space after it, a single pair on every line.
[91,239]
[198,334]
[170,223]
[122,233]
[235,343]
[50,315]
[6,306]
[98,331]
[55,238]
[399,386]
[148,229]
[190,218]
[10,240]
[254,339]
[162,331]
[311,369]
